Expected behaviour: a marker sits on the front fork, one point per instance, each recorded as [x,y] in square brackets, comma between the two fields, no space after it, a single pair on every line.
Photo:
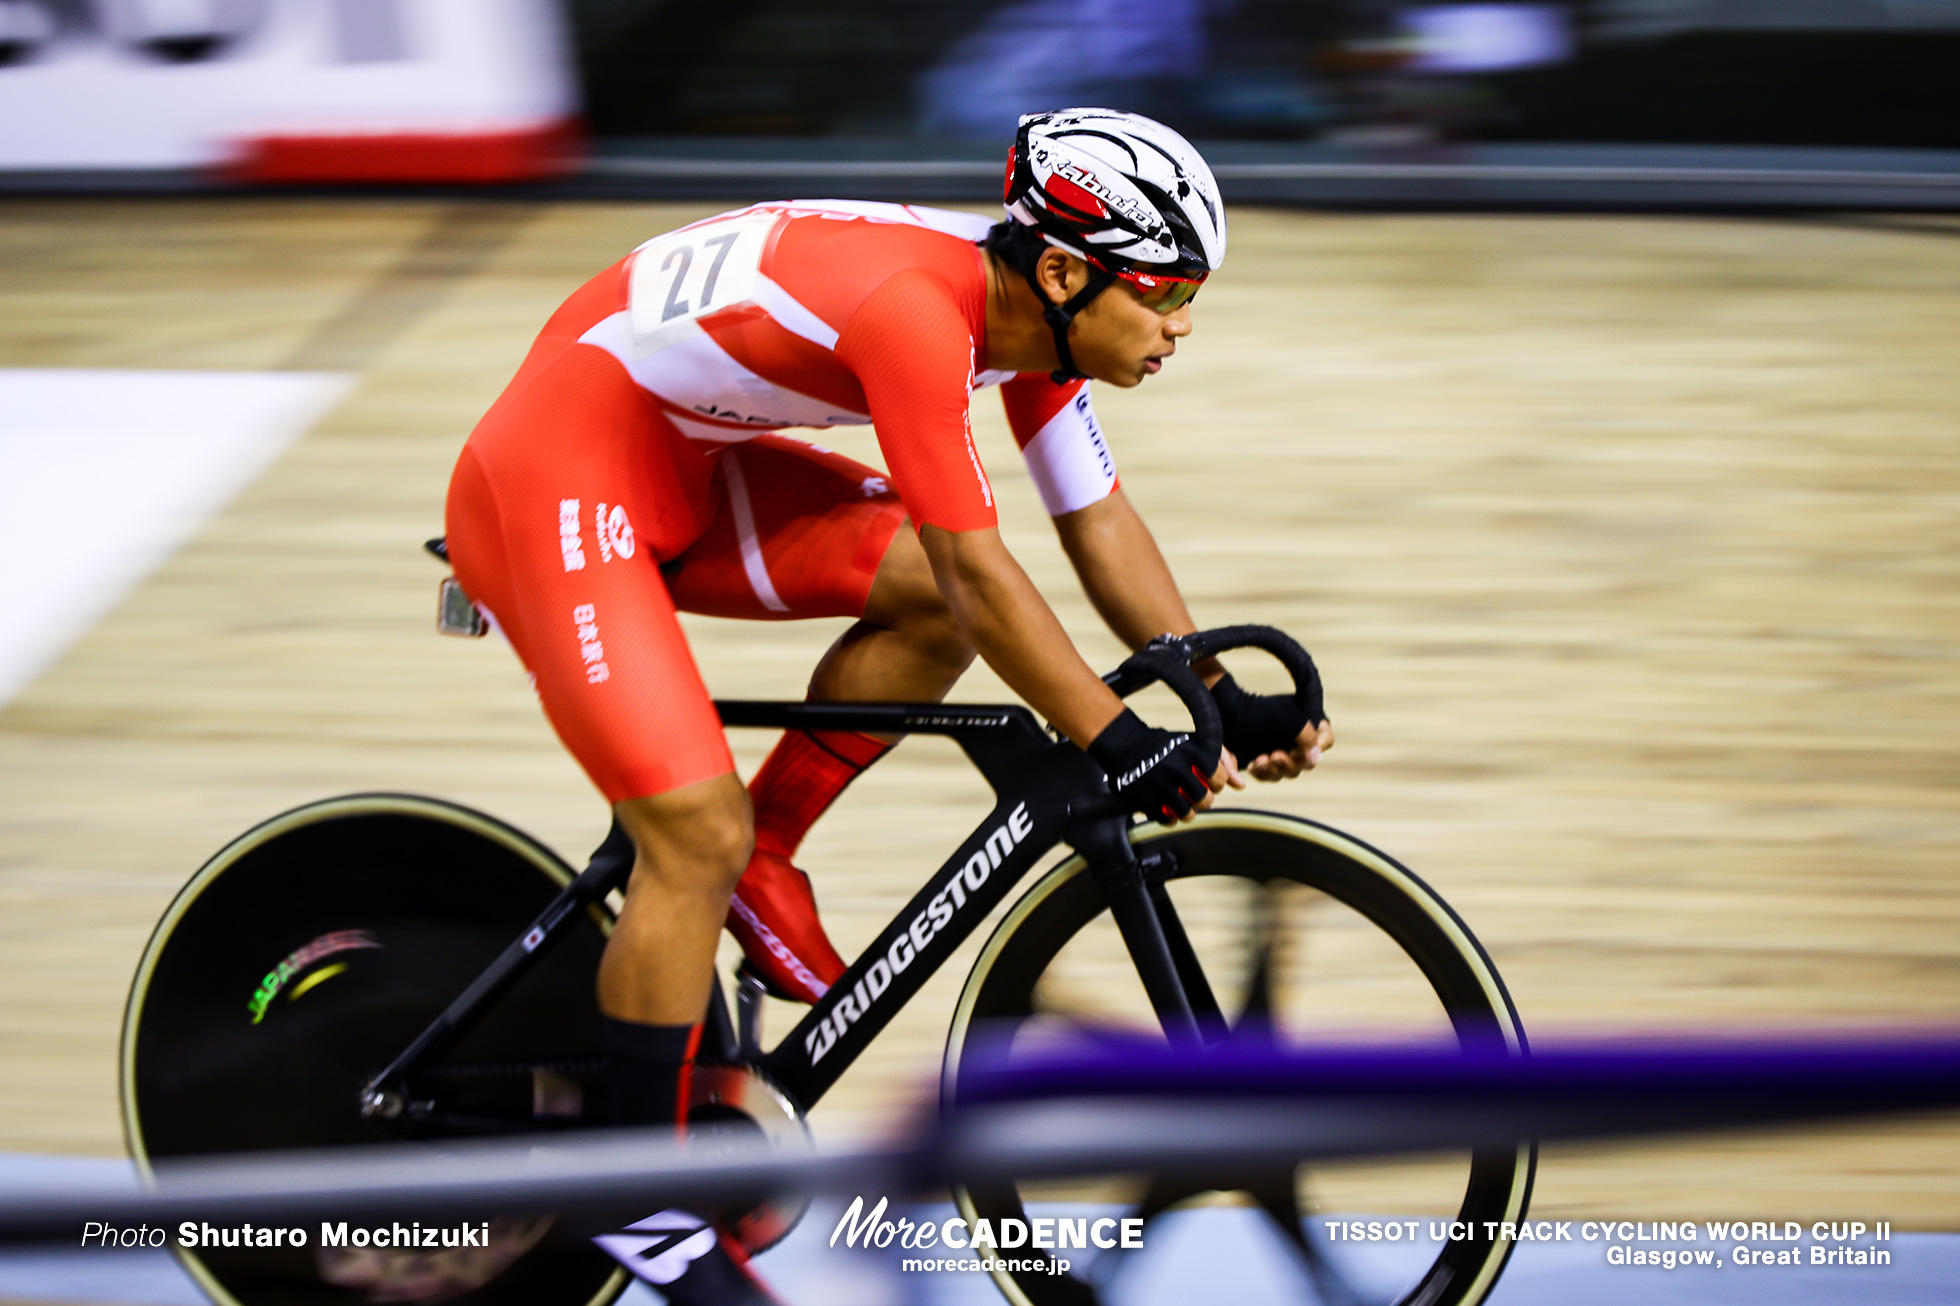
[1166,962]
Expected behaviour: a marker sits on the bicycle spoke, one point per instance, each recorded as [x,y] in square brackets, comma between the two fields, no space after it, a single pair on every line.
[1331,1286]
[1278,1197]
[1166,1191]
[1277,1194]
[1255,1018]
[1083,1020]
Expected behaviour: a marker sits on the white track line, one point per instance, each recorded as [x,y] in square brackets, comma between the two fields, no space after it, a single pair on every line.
[103,474]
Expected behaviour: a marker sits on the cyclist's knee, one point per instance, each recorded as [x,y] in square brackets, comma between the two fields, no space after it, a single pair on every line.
[731,841]
[938,632]
[707,864]
[694,839]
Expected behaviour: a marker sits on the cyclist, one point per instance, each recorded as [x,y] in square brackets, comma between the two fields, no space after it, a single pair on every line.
[635,467]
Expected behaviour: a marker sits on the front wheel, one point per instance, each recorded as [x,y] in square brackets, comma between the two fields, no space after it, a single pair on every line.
[1305,936]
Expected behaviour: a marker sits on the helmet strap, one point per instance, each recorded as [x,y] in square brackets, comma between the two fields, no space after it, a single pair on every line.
[1058,317]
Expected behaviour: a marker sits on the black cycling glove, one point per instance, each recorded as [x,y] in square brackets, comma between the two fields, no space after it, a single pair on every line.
[1154,771]
[1257,724]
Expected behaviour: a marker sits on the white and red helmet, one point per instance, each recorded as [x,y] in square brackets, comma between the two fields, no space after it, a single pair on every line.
[1124,193]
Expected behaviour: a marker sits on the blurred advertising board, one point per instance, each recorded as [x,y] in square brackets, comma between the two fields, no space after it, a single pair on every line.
[288,90]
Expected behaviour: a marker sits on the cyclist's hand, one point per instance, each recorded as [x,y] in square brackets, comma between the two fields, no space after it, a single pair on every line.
[1161,775]
[1257,725]
[1304,755]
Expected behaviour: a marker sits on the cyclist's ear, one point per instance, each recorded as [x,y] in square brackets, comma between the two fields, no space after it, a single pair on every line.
[1060,273]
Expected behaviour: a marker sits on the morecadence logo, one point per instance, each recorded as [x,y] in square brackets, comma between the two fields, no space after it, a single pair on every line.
[984,1238]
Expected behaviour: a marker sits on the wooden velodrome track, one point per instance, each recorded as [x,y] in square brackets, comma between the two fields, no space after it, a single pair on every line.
[1629,549]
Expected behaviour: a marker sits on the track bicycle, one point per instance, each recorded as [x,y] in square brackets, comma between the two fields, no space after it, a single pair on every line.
[385,966]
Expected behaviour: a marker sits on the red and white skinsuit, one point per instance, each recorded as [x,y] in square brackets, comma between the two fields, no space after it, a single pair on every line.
[634,468]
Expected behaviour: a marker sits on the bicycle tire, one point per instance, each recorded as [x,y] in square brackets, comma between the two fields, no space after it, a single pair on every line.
[383,907]
[1000,1001]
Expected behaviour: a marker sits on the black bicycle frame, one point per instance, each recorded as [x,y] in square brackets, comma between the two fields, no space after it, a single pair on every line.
[1046,792]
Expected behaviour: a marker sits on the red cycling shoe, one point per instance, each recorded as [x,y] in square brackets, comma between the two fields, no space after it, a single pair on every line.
[773,915]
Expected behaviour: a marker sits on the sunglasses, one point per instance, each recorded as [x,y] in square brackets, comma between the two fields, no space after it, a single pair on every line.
[1164,294]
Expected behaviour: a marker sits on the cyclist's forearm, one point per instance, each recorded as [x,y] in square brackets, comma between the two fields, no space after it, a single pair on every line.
[1015,631]
[1125,575]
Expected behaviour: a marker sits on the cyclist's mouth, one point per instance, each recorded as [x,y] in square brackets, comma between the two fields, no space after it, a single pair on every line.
[1154,365]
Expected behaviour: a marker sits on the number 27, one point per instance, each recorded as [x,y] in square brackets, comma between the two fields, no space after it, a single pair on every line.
[675,305]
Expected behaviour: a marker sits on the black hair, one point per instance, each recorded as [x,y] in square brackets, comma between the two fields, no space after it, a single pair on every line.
[1015,244]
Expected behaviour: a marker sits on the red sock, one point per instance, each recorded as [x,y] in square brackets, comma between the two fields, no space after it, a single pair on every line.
[802,777]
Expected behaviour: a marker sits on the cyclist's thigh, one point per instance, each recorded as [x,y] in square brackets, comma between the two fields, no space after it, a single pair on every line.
[541,531]
[799,531]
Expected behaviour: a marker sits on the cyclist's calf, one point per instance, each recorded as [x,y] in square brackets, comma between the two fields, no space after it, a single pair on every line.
[906,600]
[691,847]
[907,647]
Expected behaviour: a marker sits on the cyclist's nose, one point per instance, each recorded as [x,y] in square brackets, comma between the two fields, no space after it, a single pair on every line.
[1178,324]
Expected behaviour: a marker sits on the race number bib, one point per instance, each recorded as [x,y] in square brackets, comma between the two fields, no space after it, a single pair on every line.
[684,275]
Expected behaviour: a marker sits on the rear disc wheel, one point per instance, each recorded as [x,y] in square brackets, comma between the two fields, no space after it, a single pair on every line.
[299,961]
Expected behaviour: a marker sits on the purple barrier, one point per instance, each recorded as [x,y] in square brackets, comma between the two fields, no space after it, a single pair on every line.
[1079,1111]
[1117,1108]
[1878,1073]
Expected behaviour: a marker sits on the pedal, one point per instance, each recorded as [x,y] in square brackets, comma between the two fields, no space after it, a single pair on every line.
[739,1103]
[456,614]
[748,970]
